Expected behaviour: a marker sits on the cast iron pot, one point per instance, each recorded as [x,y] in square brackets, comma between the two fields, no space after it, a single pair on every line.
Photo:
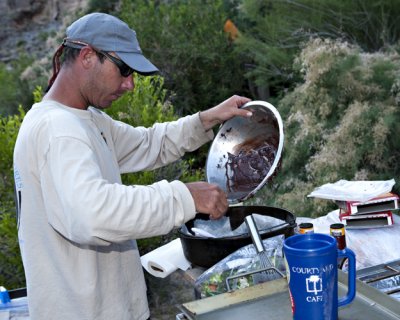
[206,252]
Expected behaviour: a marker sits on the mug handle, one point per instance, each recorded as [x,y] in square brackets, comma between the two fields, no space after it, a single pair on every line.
[351,292]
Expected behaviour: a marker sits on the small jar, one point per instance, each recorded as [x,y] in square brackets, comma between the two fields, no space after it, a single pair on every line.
[337,231]
[306,227]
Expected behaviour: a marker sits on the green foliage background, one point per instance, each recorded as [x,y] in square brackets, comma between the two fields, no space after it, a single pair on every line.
[11,270]
[341,122]
[186,41]
[330,67]
[14,90]
[274,31]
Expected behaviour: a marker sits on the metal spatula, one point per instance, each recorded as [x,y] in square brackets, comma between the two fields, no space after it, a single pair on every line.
[269,271]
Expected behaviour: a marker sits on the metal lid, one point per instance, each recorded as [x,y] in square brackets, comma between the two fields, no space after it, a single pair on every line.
[246,151]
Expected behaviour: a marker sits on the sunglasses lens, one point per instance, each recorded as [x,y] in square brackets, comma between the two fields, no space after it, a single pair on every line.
[125,70]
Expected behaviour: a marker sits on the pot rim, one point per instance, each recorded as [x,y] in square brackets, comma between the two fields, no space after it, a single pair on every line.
[290,222]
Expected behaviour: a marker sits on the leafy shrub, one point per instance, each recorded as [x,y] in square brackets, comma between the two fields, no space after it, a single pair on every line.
[11,272]
[9,127]
[14,91]
[186,40]
[11,269]
[107,6]
[340,123]
[273,32]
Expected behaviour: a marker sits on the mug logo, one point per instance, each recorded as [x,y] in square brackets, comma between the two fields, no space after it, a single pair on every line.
[314,284]
[313,280]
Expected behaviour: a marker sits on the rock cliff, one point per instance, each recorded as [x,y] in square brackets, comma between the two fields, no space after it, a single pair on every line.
[33,26]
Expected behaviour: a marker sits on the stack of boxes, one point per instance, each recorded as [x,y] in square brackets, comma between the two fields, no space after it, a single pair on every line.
[377,212]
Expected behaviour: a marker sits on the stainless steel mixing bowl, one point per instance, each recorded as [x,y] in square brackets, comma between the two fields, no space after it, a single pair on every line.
[246,152]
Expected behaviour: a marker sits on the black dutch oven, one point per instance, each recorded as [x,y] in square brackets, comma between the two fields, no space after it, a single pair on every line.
[206,252]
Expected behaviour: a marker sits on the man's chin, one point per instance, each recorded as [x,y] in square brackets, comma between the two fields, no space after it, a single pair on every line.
[103,105]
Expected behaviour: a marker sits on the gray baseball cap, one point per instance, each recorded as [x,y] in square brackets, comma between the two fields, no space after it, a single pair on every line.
[108,33]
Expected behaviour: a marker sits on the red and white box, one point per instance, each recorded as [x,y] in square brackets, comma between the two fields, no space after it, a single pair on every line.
[376,212]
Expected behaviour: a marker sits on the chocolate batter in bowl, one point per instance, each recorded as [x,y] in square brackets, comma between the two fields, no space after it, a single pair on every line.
[246,152]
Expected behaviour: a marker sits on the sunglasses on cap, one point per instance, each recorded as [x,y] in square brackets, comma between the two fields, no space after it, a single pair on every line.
[124,69]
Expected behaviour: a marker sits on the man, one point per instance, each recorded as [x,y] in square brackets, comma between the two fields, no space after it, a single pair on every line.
[77,222]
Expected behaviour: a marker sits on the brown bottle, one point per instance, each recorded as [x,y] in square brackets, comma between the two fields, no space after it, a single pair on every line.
[337,231]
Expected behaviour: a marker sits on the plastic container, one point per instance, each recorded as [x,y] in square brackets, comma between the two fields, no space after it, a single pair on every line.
[14,304]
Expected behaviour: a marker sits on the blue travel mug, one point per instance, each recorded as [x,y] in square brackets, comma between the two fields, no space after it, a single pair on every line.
[311,266]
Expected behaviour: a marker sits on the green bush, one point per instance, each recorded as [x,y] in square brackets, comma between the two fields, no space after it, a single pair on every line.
[11,269]
[106,6]
[9,127]
[185,39]
[273,32]
[14,91]
[340,123]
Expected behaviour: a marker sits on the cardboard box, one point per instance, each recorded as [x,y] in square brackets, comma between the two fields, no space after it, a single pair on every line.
[372,220]
[383,203]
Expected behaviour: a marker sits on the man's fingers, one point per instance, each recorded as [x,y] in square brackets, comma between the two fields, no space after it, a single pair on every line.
[208,198]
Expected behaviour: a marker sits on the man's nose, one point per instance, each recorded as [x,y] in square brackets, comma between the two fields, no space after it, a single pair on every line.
[128,83]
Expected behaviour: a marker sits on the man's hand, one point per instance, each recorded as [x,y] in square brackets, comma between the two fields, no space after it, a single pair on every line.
[224,111]
[208,198]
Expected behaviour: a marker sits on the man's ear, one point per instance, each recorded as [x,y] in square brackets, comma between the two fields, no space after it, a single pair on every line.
[87,56]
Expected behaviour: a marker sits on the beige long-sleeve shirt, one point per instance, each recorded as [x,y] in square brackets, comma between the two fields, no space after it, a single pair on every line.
[77,222]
